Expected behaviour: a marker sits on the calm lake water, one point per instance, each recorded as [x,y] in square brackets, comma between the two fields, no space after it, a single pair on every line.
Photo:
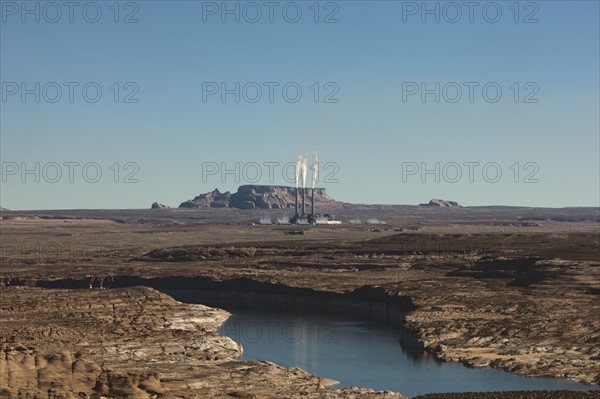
[363,353]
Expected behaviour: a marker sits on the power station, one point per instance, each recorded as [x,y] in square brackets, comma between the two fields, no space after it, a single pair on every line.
[303,218]
[312,218]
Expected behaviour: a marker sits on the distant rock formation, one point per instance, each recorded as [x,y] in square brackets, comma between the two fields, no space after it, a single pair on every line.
[214,199]
[261,197]
[157,205]
[440,203]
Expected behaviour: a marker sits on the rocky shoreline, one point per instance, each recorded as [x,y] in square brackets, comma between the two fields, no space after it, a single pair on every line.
[535,335]
[134,343]
[140,343]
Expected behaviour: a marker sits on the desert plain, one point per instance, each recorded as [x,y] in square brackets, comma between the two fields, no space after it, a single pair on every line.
[85,309]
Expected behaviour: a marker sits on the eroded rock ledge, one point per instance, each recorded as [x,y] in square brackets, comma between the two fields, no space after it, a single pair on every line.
[134,343]
[502,334]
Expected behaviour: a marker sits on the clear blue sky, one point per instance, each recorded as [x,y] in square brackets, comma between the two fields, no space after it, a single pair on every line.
[372,54]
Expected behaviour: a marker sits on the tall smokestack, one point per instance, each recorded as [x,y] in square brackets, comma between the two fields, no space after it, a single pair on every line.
[303,186]
[315,174]
[297,175]
[303,199]
[296,201]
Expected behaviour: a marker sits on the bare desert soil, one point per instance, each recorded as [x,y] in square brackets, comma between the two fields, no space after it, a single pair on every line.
[515,289]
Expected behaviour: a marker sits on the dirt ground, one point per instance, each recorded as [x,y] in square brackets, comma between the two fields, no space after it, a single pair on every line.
[511,288]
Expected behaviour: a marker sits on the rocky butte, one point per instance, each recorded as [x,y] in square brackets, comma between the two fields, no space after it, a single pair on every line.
[261,197]
[440,203]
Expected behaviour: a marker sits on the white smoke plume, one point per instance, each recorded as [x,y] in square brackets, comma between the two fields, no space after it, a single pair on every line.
[283,220]
[315,170]
[375,221]
[303,167]
[265,220]
[298,167]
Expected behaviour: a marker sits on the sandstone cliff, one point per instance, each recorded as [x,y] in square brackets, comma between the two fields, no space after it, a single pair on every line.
[261,197]
[213,199]
[134,343]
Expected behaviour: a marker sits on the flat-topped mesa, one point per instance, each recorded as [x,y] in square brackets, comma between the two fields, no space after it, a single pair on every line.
[274,197]
[260,197]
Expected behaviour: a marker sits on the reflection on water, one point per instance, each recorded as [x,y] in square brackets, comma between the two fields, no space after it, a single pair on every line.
[362,353]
